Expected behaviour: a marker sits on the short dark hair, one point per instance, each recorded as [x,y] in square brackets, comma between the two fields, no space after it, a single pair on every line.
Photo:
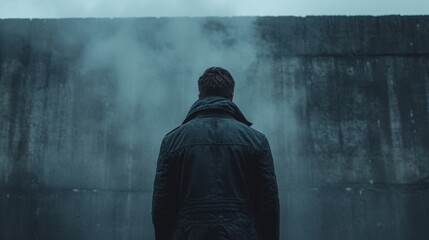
[216,81]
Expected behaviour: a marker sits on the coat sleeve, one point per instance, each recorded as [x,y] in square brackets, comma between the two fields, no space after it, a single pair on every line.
[165,195]
[266,195]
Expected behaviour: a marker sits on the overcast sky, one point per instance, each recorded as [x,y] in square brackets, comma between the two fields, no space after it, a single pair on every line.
[160,8]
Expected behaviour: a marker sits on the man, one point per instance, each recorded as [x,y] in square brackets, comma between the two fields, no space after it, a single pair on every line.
[215,177]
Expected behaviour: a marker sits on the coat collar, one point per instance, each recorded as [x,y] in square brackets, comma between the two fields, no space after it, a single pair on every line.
[216,103]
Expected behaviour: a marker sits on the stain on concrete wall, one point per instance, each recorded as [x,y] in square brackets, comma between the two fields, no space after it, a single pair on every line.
[344,101]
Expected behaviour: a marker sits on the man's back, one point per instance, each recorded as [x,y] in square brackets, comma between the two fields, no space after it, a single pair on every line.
[215,178]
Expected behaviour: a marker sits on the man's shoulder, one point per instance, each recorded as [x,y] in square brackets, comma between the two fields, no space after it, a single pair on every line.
[172,131]
[175,132]
[262,139]
[258,133]
[177,129]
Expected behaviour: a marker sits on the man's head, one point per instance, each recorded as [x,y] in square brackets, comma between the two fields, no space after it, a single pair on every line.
[216,81]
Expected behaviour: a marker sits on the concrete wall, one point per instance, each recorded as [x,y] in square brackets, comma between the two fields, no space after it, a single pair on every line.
[344,101]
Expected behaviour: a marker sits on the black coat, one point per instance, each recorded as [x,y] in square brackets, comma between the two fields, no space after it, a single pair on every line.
[215,178]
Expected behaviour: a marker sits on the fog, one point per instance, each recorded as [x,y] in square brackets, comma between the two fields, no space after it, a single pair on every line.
[158,75]
[139,8]
[155,81]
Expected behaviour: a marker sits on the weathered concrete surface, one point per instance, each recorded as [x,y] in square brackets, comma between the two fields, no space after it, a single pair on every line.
[344,102]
